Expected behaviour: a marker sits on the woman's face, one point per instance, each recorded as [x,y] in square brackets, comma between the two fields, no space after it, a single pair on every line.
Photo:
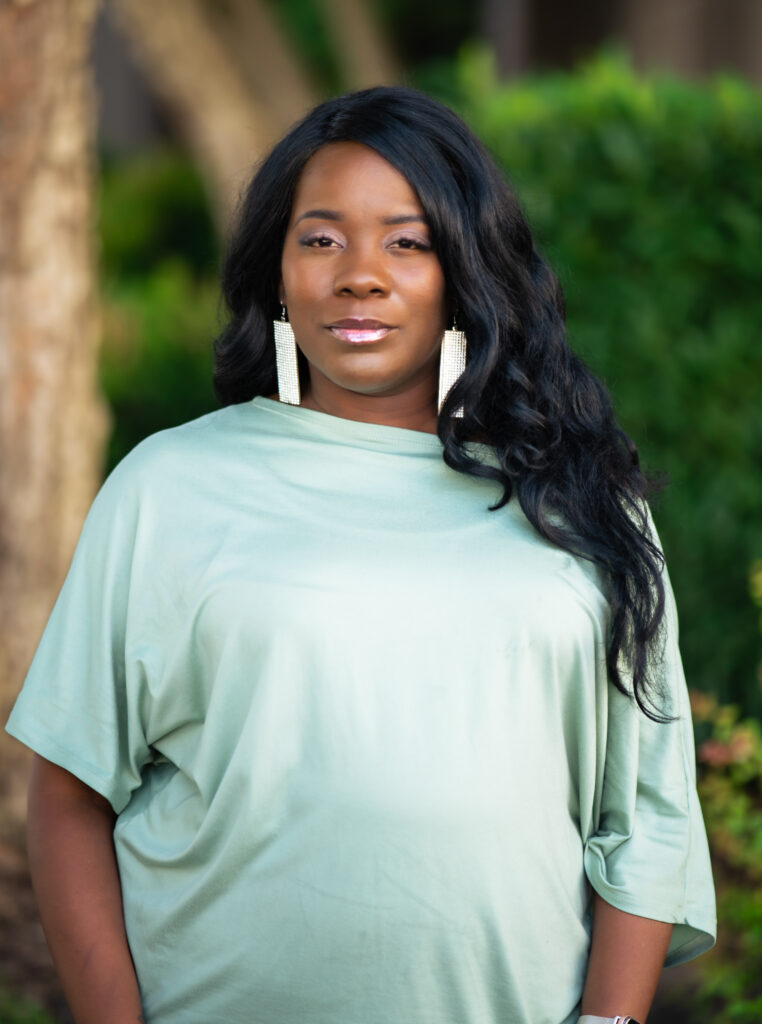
[364,289]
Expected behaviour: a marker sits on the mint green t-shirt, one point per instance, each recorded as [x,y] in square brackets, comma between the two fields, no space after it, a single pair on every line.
[358,733]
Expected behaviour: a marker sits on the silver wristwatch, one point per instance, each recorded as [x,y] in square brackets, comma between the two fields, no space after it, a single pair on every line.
[589,1018]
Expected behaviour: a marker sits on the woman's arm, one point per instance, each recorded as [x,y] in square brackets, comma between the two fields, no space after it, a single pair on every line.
[626,958]
[76,881]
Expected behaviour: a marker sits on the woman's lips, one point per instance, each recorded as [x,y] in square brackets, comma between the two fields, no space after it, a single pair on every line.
[359,335]
[359,332]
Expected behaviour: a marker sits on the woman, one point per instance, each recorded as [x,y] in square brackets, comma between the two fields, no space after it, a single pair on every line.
[353,709]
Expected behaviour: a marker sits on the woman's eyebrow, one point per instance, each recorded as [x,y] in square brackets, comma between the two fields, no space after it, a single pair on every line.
[402,218]
[320,215]
[405,218]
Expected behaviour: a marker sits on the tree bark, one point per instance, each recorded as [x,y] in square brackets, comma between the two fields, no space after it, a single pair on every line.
[362,51]
[665,35]
[751,50]
[506,25]
[267,60]
[52,422]
[184,54]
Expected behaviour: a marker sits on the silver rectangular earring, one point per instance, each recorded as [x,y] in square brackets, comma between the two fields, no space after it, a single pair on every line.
[452,362]
[285,361]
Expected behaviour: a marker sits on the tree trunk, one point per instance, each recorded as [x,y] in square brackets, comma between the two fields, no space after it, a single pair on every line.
[751,48]
[361,49]
[52,424]
[664,35]
[185,56]
[506,25]
[267,60]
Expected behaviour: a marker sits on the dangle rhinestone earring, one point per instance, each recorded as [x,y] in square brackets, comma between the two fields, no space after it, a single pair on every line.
[452,363]
[285,361]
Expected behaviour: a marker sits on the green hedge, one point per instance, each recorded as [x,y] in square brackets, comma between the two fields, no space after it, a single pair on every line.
[646,196]
[727,985]
[160,296]
[18,1009]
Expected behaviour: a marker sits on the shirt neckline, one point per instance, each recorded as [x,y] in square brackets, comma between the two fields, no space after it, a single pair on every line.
[348,431]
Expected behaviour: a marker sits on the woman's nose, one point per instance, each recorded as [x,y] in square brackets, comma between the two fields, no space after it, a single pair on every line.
[361,272]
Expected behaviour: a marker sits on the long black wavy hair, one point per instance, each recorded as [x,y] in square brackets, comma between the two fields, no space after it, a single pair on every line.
[561,453]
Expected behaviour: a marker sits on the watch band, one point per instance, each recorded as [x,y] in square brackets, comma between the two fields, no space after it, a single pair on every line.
[589,1018]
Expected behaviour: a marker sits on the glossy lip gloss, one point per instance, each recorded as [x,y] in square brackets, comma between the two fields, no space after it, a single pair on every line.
[360,332]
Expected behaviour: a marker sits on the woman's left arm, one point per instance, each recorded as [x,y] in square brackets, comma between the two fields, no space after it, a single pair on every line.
[626,958]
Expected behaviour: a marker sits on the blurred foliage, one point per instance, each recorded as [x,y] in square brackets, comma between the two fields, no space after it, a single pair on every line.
[646,196]
[421,32]
[153,208]
[726,985]
[425,30]
[15,1009]
[730,788]
[307,33]
[160,296]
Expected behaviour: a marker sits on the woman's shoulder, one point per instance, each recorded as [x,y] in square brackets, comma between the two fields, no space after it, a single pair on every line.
[166,467]
[176,448]
[193,435]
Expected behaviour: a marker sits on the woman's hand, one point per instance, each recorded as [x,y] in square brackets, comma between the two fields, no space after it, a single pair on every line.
[626,958]
[76,881]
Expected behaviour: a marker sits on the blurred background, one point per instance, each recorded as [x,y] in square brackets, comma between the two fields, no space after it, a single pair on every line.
[632,130]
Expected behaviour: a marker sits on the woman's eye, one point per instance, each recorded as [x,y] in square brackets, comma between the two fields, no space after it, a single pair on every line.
[319,241]
[410,243]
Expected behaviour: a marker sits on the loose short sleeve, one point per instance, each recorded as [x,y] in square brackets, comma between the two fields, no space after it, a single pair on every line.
[80,706]
[649,855]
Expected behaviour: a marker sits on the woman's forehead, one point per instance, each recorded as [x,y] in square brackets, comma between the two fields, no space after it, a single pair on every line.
[349,173]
